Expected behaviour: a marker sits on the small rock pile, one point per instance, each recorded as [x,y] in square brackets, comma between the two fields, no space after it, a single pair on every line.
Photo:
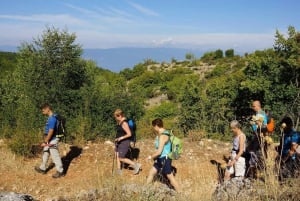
[11,196]
[234,189]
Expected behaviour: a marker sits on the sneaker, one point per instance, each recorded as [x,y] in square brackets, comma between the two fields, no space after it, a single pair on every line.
[58,175]
[39,170]
[137,168]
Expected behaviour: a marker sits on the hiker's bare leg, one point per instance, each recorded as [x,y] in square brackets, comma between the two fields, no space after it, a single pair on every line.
[127,161]
[151,175]
[227,176]
[174,183]
[118,161]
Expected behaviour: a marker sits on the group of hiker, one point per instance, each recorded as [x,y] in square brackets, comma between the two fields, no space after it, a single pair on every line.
[162,163]
[248,155]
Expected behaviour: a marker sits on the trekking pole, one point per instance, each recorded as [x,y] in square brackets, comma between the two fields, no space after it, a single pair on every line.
[113,163]
[281,148]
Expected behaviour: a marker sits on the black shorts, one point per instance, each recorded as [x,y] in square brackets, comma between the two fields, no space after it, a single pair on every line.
[163,165]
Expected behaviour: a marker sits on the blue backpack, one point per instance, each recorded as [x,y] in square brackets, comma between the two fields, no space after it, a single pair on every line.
[132,126]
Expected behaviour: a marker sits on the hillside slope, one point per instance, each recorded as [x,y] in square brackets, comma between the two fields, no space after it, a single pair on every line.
[90,167]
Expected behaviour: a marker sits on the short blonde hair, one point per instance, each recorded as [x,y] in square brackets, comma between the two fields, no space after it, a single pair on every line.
[118,112]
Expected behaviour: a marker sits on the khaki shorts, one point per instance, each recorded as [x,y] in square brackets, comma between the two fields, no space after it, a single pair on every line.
[239,167]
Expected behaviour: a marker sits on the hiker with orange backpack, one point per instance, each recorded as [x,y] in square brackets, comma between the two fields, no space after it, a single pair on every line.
[257,148]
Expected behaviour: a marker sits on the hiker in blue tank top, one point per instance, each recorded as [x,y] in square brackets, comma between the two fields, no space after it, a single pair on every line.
[162,163]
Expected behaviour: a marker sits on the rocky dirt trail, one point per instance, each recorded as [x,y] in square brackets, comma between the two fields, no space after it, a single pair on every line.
[90,167]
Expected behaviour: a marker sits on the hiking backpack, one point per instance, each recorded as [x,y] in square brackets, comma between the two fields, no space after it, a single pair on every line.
[60,130]
[271,125]
[176,146]
[270,122]
[132,126]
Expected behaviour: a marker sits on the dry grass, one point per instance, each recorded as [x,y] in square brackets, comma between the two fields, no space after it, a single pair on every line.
[92,169]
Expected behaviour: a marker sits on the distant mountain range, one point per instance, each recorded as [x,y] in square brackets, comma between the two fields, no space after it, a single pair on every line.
[117,59]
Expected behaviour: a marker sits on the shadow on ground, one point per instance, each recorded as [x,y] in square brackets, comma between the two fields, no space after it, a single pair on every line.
[73,153]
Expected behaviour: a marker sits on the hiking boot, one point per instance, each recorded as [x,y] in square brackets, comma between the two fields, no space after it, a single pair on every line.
[58,175]
[137,168]
[39,170]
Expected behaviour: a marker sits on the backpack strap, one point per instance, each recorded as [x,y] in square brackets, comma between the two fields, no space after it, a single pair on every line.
[166,132]
[125,120]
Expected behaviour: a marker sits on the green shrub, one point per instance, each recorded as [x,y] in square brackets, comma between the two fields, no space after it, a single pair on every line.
[22,142]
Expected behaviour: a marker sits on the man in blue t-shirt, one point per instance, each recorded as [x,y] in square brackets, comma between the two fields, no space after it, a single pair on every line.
[257,148]
[50,144]
[259,120]
[259,127]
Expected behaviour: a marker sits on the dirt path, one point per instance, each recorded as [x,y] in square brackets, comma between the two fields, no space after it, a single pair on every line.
[90,167]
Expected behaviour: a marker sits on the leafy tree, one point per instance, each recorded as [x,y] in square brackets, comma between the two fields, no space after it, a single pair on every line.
[189,56]
[52,70]
[7,63]
[49,69]
[229,53]
[273,76]
[190,110]
[219,54]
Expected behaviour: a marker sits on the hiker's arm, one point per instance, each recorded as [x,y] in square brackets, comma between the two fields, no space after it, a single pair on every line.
[163,139]
[126,128]
[293,149]
[49,136]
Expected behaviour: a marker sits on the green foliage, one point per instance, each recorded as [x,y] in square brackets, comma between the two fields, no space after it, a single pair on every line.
[273,77]
[23,140]
[50,69]
[210,57]
[218,54]
[7,63]
[137,70]
[189,56]
[165,110]
[219,70]
[229,53]
[190,106]
[145,85]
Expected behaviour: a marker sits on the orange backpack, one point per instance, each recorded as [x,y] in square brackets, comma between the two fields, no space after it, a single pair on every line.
[271,126]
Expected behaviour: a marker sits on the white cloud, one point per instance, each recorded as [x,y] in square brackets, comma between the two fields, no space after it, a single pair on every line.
[143,10]
[240,42]
[45,18]
[164,41]
[102,16]
[91,36]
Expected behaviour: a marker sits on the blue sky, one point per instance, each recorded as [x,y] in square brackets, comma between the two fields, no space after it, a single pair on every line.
[239,24]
